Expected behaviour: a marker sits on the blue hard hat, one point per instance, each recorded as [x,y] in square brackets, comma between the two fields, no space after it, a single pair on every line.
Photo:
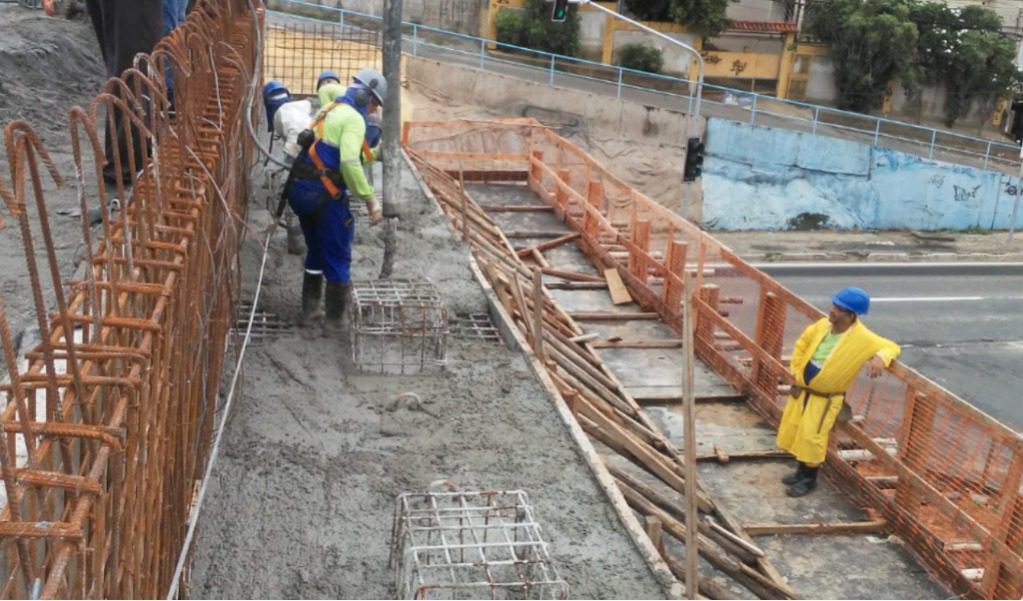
[852,299]
[328,74]
[274,95]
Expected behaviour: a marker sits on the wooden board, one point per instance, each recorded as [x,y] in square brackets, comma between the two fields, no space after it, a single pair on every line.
[619,293]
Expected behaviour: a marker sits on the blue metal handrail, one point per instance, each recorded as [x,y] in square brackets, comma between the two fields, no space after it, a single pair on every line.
[480,53]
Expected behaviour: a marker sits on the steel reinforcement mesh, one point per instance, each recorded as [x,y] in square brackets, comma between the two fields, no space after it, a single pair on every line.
[107,421]
[297,51]
[943,474]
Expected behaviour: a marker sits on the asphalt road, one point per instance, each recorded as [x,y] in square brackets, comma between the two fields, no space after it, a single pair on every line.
[959,324]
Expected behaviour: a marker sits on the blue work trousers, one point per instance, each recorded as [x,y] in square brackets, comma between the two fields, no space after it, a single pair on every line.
[328,228]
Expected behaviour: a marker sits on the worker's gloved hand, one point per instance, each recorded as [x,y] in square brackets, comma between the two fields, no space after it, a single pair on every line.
[50,7]
[376,213]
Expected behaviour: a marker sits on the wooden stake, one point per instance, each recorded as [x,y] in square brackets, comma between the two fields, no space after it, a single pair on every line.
[688,397]
[538,313]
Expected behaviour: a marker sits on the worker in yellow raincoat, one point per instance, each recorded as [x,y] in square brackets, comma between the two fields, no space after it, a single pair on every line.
[825,361]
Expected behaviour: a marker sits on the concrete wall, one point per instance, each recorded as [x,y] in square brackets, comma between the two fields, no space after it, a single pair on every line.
[462,16]
[756,10]
[510,96]
[764,178]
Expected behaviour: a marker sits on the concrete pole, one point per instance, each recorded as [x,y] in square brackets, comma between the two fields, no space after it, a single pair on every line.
[1015,202]
[391,143]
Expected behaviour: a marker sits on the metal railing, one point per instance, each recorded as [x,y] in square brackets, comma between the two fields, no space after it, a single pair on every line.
[676,92]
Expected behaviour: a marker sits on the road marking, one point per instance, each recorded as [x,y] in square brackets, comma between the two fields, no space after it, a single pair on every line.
[926,299]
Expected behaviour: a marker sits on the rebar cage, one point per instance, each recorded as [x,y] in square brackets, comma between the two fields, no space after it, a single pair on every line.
[471,545]
[398,326]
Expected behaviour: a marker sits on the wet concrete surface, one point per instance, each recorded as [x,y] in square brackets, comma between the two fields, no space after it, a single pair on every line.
[824,566]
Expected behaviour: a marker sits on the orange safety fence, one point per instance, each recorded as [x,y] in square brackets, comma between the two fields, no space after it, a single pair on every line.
[944,475]
[107,426]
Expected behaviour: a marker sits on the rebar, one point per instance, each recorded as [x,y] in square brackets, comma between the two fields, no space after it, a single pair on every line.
[398,326]
[471,545]
[110,413]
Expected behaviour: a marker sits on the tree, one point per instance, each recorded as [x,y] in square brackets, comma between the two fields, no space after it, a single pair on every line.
[872,43]
[966,50]
[532,27]
[706,17]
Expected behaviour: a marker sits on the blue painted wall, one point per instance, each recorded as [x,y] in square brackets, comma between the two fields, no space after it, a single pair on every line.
[757,178]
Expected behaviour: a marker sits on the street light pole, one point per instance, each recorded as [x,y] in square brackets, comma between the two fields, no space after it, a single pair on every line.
[692,129]
[666,38]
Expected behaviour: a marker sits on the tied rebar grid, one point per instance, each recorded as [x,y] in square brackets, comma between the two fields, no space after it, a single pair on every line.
[471,545]
[106,430]
[398,326]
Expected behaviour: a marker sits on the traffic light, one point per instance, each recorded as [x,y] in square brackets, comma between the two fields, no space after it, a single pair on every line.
[560,11]
[694,160]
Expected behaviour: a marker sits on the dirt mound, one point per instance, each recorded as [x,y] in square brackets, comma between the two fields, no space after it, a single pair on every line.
[48,65]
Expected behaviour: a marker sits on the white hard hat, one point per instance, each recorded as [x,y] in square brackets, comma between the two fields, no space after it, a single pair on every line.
[374,81]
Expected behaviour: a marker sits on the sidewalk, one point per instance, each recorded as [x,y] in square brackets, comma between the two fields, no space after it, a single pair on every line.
[895,246]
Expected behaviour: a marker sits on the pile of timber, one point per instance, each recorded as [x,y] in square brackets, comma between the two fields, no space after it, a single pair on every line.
[647,468]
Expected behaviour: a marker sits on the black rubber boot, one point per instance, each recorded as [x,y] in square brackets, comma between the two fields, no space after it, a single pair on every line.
[312,293]
[795,476]
[336,301]
[804,486]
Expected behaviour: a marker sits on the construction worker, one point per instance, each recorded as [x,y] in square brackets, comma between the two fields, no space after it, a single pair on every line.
[326,177]
[825,361]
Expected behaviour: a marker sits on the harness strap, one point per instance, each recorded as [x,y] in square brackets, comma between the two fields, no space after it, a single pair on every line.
[328,183]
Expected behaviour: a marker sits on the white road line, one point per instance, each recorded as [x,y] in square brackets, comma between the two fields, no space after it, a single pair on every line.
[926,299]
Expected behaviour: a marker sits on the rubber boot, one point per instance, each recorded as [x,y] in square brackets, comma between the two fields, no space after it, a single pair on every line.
[796,476]
[296,241]
[804,486]
[336,301]
[312,293]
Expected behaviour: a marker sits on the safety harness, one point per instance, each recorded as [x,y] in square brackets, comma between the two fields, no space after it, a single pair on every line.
[328,176]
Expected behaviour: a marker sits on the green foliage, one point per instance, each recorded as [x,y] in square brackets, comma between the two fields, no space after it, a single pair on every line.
[872,41]
[641,57]
[650,10]
[877,41]
[706,17]
[965,50]
[511,26]
[532,27]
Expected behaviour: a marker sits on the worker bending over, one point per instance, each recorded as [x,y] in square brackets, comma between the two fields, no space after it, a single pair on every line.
[327,175]
[825,360]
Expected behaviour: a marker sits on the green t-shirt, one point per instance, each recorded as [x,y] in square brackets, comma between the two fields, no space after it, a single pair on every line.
[825,347]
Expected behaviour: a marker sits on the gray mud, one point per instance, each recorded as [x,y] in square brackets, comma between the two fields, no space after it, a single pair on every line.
[314,455]
[47,65]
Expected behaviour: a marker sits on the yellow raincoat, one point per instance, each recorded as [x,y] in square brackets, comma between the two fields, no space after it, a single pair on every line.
[804,427]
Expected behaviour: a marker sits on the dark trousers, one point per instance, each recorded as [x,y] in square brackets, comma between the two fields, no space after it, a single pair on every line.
[124,28]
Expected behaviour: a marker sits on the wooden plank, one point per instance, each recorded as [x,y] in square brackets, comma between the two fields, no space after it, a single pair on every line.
[619,293]
[677,398]
[517,208]
[613,315]
[554,234]
[573,276]
[577,286]
[638,344]
[868,527]
[544,246]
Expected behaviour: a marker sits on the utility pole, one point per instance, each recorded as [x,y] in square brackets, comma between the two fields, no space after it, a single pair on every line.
[391,143]
[1015,202]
